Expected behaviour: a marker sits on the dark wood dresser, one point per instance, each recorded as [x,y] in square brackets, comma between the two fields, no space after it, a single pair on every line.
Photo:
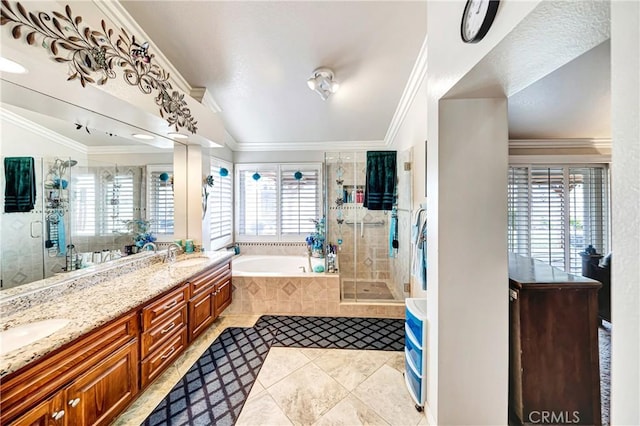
[554,372]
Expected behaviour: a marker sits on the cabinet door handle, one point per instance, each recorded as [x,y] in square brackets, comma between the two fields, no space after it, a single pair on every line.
[169,353]
[57,415]
[74,402]
[170,305]
[168,329]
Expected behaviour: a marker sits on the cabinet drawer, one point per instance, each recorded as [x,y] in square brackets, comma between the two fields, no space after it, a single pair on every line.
[205,280]
[155,313]
[158,334]
[163,357]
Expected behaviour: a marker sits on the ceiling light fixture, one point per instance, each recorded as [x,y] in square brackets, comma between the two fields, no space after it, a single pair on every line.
[7,65]
[176,135]
[322,81]
[142,136]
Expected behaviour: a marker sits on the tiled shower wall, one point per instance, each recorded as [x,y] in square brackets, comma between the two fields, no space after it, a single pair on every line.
[364,252]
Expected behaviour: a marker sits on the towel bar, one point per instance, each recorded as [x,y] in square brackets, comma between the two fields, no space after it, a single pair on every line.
[379,223]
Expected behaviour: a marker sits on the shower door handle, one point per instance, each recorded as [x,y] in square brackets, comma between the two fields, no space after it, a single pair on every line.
[32,229]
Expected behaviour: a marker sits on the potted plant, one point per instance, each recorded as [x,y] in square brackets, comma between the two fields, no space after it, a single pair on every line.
[315,240]
[140,229]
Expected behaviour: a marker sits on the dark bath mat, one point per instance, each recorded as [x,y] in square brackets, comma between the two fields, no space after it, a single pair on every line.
[381,334]
[216,387]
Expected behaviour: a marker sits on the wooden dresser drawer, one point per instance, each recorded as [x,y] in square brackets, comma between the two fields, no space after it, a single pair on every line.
[203,281]
[155,363]
[162,331]
[156,312]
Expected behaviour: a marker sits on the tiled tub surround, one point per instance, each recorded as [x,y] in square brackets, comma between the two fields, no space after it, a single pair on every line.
[91,300]
[308,294]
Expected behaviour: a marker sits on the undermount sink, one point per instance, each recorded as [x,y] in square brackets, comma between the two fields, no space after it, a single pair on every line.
[25,334]
[191,261]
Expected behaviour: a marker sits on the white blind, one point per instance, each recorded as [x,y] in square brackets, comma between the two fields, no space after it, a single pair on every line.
[116,203]
[257,215]
[555,212]
[220,204]
[83,199]
[299,200]
[277,206]
[160,201]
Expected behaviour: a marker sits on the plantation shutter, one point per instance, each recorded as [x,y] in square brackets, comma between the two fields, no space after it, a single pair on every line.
[258,205]
[84,204]
[299,203]
[556,212]
[589,209]
[160,206]
[220,205]
[116,202]
[519,208]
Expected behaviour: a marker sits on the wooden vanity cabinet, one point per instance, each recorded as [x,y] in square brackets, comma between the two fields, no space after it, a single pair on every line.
[210,295]
[164,333]
[94,378]
[86,383]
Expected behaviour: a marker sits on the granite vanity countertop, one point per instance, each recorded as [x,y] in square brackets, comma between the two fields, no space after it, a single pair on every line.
[96,305]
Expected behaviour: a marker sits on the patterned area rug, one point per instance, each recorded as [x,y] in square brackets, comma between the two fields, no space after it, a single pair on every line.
[216,387]
[380,334]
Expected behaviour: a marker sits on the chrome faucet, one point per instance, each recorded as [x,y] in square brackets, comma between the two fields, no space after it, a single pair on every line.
[309,258]
[149,244]
[172,252]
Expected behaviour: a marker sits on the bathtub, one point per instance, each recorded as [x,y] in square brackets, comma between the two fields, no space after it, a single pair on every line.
[273,266]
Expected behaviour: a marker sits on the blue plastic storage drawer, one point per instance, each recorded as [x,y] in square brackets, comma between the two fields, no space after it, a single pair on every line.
[415,326]
[414,382]
[414,353]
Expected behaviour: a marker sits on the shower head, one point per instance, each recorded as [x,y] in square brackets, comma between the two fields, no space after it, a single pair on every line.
[69,163]
[64,165]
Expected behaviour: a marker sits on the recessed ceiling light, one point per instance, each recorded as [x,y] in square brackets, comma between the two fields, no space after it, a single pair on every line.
[177,135]
[142,136]
[7,65]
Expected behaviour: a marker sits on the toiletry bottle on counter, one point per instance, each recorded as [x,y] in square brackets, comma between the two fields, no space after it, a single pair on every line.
[188,246]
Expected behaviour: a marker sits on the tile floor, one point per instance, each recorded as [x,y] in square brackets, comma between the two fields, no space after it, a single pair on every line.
[303,386]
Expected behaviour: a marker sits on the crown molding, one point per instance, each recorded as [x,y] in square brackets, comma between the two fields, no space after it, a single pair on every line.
[202,95]
[125,149]
[416,78]
[560,143]
[115,12]
[309,146]
[42,131]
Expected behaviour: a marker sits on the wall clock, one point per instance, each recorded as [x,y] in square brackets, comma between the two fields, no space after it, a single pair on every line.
[477,19]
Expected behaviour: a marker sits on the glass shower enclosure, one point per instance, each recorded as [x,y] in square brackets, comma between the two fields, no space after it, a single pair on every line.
[372,267]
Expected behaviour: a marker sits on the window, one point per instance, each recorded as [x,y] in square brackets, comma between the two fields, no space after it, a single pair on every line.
[115,205]
[274,204]
[160,199]
[220,206]
[83,199]
[555,212]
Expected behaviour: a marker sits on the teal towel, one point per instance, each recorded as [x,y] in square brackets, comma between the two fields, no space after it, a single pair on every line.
[20,184]
[380,182]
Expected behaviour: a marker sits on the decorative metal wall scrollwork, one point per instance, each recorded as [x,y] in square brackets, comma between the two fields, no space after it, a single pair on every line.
[89,53]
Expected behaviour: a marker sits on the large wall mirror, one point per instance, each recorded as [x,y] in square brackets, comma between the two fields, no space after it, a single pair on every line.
[90,188]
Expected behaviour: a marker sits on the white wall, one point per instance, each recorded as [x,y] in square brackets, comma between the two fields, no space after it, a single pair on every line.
[625,182]
[449,61]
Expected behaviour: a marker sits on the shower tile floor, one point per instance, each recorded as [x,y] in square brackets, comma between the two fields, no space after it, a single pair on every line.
[365,290]
[303,385]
